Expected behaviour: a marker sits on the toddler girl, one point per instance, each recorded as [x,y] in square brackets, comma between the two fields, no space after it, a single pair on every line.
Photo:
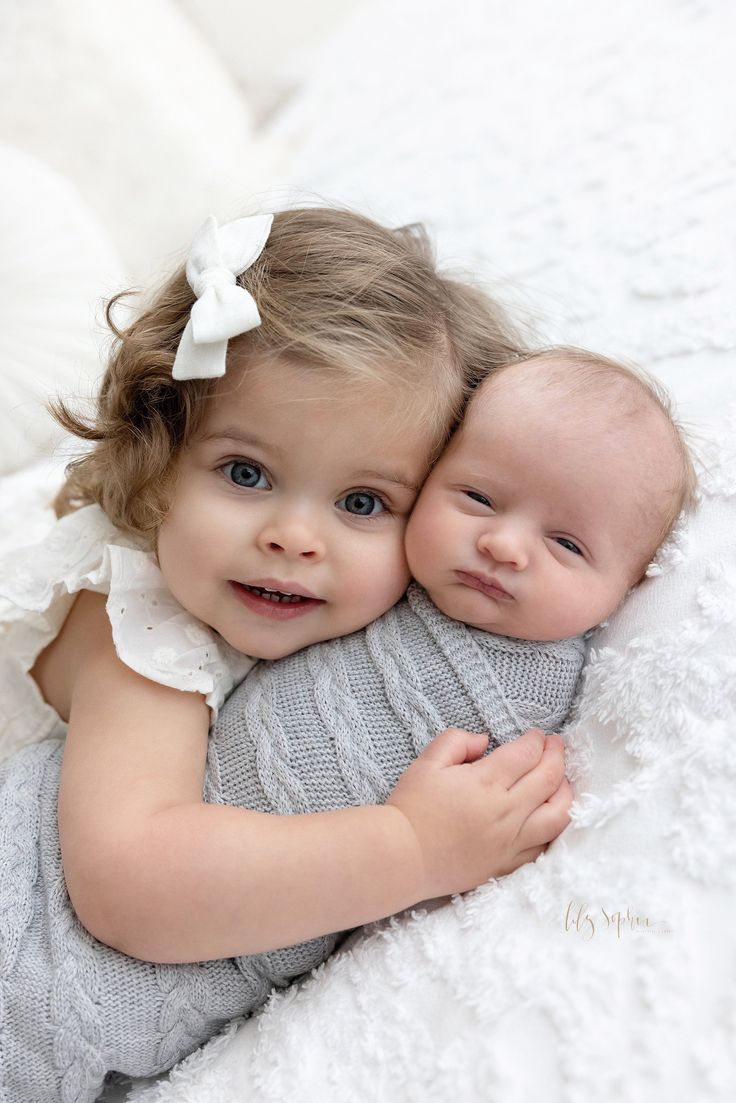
[220,514]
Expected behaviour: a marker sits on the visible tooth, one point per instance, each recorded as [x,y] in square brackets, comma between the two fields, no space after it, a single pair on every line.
[275,595]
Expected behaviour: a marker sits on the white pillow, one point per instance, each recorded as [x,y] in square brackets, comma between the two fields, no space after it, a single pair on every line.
[129,102]
[56,264]
[268,54]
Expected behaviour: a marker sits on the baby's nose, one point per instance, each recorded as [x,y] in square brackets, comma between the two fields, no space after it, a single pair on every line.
[505,543]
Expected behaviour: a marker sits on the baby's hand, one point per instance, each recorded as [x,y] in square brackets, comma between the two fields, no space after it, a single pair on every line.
[477,817]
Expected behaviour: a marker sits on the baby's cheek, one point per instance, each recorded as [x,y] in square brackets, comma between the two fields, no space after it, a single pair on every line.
[574,618]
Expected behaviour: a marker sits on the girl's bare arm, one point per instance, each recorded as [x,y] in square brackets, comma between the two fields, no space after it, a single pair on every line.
[158,874]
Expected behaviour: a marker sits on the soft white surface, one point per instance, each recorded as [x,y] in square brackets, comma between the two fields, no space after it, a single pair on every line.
[267,47]
[56,263]
[581,154]
[130,103]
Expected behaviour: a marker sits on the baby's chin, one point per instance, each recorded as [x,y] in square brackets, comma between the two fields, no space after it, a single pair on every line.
[459,606]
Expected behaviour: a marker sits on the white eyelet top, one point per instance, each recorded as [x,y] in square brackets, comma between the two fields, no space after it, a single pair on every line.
[152,633]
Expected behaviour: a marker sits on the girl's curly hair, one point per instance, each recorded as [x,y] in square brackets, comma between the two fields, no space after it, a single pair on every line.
[336,292]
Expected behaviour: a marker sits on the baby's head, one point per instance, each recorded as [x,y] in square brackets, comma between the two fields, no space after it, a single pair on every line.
[344,392]
[550,501]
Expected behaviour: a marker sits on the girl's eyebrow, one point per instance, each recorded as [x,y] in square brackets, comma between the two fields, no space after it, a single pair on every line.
[236,435]
[233,434]
[390,477]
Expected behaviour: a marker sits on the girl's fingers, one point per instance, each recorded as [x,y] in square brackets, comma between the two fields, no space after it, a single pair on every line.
[549,819]
[540,783]
[454,746]
[511,762]
[529,855]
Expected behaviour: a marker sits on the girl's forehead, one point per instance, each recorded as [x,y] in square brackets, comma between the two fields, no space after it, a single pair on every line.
[283,381]
[281,392]
[299,412]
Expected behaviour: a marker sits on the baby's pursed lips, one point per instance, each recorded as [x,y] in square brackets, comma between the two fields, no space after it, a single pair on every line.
[487,584]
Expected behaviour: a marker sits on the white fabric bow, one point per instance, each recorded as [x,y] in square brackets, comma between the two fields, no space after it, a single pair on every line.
[223,309]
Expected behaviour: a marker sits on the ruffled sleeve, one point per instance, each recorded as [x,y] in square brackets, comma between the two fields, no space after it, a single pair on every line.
[156,637]
[153,634]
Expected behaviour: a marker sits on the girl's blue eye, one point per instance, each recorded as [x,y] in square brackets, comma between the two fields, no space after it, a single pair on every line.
[565,543]
[476,497]
[362,504]
[244,473]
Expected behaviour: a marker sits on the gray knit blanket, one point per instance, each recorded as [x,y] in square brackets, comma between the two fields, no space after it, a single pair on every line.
[332,726]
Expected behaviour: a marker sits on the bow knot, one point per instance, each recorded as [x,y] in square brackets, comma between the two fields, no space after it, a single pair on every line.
[223,309]
[212,277]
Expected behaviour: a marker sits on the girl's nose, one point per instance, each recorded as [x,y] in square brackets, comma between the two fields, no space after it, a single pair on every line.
[504,543]
[292,537]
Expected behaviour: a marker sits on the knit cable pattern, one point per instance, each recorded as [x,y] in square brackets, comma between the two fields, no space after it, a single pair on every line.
[280,782]
[401,680]
[75,990]
[339,712]
[184,990]
[19,821]
[525,684]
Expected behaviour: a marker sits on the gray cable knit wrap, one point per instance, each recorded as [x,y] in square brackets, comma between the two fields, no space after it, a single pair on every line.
[331,726]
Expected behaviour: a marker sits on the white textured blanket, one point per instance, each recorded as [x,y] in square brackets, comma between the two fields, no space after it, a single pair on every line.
[581,155]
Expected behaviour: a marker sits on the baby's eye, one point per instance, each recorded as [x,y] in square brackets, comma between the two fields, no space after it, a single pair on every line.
[361,503]
[480,498]
[565,543]
[245,473]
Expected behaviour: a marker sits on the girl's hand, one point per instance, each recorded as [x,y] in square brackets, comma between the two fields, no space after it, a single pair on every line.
[477,817]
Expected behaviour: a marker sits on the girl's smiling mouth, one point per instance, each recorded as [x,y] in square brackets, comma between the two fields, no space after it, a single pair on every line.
[276,602]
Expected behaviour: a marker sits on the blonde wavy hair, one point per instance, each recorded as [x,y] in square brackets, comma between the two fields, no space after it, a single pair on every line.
[337,293]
